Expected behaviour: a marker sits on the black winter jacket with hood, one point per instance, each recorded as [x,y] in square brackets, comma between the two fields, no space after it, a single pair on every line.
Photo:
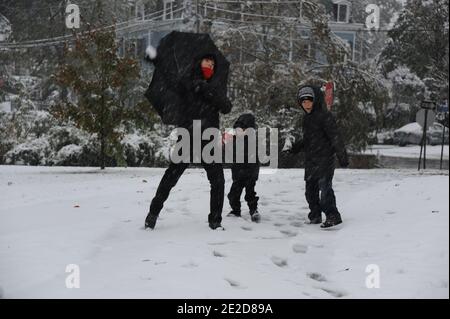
[202,98]
[246,171]
[321,140]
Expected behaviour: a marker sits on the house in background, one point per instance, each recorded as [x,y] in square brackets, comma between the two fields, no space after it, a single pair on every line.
[342,25]
[5,28]
[156,18]
[152,21]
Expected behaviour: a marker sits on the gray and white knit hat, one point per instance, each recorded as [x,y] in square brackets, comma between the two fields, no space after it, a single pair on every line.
[305,93]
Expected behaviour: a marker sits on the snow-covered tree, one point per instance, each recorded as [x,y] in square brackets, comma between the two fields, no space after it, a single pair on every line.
[407,90]
[419,41]
[275,49]
[100,81]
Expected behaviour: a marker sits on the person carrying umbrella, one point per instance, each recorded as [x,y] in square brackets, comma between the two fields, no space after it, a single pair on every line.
[189,83]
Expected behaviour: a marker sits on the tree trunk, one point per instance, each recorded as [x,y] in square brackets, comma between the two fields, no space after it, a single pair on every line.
[102,135]
[102,150]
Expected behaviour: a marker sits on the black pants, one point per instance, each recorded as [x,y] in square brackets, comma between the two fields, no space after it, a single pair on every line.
[172,175]
[320,196]
[250,195]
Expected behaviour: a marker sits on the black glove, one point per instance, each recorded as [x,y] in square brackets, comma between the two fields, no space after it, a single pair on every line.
[200,86]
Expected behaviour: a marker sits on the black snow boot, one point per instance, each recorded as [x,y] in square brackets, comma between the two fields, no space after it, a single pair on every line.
[234,213]
[215,225]
[315,218]
[332,221]
[150,221]
[255,215]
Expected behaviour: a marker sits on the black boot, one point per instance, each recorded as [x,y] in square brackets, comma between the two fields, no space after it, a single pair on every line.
[214,221]
[234,213]
[255,215]
[215,225]
[332,221]
[150,221]
[315,218]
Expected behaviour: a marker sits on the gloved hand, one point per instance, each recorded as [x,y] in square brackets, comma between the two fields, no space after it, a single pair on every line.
[200,86]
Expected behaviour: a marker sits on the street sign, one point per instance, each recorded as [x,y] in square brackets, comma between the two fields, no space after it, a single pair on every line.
[428,105]
[420,117]
[442,108]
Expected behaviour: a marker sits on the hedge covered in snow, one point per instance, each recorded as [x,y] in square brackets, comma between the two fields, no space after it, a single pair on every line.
[36,138]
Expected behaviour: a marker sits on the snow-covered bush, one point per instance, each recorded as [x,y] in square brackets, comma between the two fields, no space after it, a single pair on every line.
[145,149]
[60,136]
[32,152]
[22,127]
[68,155]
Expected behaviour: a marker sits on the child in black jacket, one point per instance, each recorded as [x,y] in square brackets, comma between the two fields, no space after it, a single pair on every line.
[245,174]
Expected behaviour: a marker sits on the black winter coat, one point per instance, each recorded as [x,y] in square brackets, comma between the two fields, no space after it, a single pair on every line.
[321,141]
[203,100]
[246,171]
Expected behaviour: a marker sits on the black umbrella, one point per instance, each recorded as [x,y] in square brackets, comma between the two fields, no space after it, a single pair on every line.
[178,55]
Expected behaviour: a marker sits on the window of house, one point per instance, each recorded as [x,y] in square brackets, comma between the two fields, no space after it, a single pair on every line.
[341,12]
[168,9]
[140,10]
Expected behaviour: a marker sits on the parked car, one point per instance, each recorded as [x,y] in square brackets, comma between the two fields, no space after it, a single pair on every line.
[412,134]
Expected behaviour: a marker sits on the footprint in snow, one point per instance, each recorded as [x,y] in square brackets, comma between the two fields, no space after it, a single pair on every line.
[289,233]
[278,224]
[278,261]
[233,283]
[145,278]
[218,254]
[316,276]
[218,243]
[190,264]
[334,293]
[246,228]
[300,249]
[297,224]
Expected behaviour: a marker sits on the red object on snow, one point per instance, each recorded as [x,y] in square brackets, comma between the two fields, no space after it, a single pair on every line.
[329,92]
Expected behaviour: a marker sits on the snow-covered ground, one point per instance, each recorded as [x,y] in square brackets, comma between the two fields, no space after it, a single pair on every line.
[396,223]
[409,151]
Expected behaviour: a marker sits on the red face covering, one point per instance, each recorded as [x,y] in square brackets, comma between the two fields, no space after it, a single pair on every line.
[207,73]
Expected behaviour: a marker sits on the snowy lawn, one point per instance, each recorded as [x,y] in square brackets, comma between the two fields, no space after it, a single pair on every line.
[409,151]
[53,217]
